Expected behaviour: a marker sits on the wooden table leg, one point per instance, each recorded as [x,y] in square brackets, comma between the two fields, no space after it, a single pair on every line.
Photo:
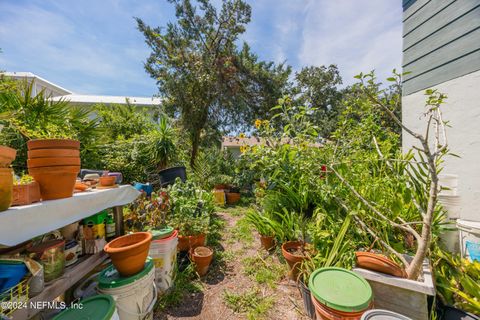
[118,215]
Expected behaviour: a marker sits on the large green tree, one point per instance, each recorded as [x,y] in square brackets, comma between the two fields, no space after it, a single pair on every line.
[318,87]
[207,81]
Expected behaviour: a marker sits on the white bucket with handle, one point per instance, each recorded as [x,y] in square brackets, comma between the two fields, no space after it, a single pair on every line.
[135,296]
[164,256]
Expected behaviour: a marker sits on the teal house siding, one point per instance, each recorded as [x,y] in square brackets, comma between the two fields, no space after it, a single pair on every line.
[441,41]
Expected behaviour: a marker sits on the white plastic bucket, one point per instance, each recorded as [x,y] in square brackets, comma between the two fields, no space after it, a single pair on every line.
[164,255]
[135,300]
[449,181]
[469,238]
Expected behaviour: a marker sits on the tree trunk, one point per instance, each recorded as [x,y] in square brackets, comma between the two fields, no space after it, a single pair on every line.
[195,145]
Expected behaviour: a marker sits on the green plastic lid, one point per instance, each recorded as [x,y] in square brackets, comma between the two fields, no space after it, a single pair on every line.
[101,307]
[340,289]
[161,233]
[110,278]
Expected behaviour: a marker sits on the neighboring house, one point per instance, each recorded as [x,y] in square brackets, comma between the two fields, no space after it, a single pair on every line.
[56,92]
[234,144]
[441,49]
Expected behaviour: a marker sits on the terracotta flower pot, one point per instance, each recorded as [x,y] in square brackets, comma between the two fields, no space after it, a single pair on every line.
[7,155]
[380,263]
[107,181]
[221,186]
[52,162]
[232,197]
[53,144]
[53,153]
[129,252]
[55,182]
[6,187]
[24,194]
[268,243]
[294,261]
[324,312]
[185,243]
[201,257]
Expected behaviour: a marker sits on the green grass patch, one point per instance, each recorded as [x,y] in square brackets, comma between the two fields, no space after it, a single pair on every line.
[264,271]
[250,303]
[242,231]
[186,282]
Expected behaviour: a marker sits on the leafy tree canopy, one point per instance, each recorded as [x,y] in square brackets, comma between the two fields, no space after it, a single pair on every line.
[207,80]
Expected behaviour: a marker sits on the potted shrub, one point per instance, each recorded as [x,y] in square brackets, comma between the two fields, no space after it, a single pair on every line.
[191,208]
[264,226]
[223,182]
[25,191]
[233,195]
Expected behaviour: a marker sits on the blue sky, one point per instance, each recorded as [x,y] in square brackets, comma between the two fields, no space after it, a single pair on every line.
[93,47]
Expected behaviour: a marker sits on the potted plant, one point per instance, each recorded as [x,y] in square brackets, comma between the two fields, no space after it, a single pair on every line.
[295,248]
[233,195]
[191,208]
[264,226]
[223,182]
[25,191]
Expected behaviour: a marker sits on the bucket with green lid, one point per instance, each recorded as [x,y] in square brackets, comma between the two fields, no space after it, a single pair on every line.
[135,296]
[338,292]
[100,307]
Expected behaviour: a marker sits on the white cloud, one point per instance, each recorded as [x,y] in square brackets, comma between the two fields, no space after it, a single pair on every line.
[357,35]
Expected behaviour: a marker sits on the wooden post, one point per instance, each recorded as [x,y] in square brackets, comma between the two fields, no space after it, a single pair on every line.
[118,215]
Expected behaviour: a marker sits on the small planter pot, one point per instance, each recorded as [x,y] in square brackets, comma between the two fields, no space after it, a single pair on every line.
[52,162]
[379,263]
[53,153]
[232,197]
[6,188]
[201,257]
[55,182]
[24,194]
[307,300]
[53,144]
[268,243]
[107,181]
[294,261]
[129,252]
[7,155]
[185,243]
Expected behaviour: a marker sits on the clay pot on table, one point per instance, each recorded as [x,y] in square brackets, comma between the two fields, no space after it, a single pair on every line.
[107,181]
[53,153]
[185,243]
[129,252]
[53,144]
[7,155]
[268,242]
[55,182]
[24,194]
[294,261]
[379,263]
[6,188]
[53,162]
[201,257]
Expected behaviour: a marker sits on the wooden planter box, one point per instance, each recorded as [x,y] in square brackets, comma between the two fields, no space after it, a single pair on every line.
[24,194]
[403,296]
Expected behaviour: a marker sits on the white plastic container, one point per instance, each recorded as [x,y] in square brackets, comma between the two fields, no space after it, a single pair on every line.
[164,255]
[469,238]
[135,296]
[449,181]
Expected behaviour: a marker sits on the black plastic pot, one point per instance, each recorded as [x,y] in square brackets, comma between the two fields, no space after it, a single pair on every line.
[307,300]
[451,313]
[168,176]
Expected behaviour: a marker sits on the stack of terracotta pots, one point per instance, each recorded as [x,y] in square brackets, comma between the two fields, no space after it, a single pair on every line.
[54,164]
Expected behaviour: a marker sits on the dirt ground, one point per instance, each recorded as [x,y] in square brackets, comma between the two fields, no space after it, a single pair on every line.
[284,299]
